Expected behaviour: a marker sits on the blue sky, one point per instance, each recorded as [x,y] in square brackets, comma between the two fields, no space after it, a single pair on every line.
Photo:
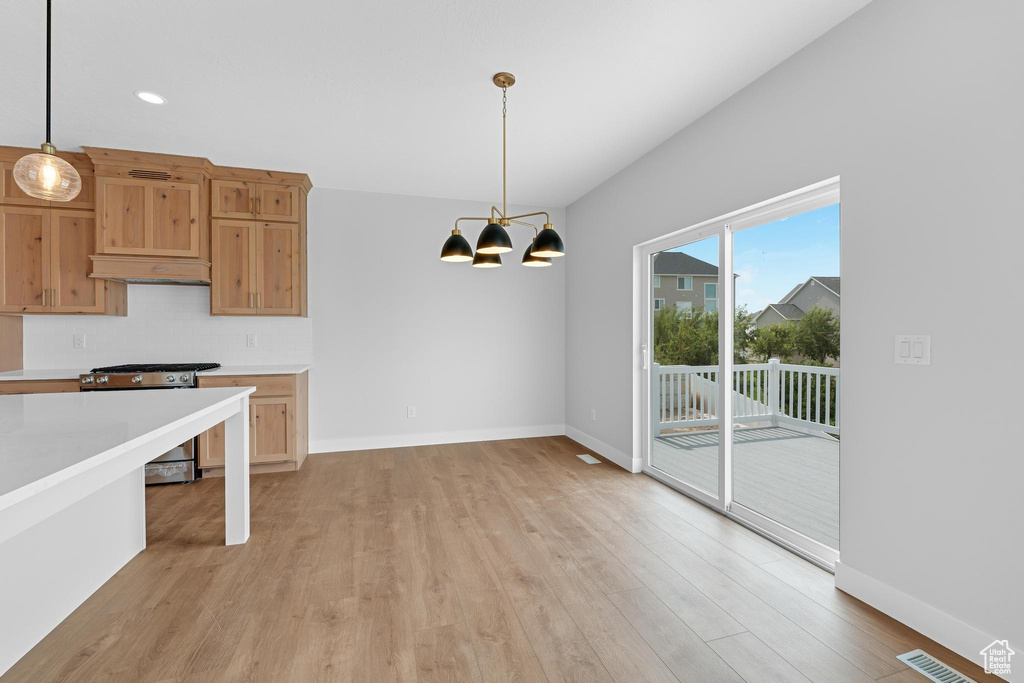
[773,258]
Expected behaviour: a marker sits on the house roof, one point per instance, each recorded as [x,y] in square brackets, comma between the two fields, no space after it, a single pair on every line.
[830,282]
[678,263]
[787,311]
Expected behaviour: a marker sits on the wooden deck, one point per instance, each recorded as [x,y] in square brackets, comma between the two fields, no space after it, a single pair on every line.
[783,474]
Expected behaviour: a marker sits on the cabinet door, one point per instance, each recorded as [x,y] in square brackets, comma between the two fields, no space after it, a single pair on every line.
[25,264]
[174,228]
[147,217]
[211,445]
[86,197]
[278,269]
[72,240]
[273,429]
[233,267]
[277,202]
[121,207]
[10,193]
[232,199]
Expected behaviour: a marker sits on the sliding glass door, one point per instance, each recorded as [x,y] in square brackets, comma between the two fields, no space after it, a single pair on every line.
[752,297]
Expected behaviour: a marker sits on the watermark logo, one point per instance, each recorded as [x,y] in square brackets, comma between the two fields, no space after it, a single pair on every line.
[997,657]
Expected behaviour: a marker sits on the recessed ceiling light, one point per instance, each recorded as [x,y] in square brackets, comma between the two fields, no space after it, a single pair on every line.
[150,97]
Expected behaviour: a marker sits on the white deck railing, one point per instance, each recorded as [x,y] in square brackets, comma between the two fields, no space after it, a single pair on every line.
[772,393]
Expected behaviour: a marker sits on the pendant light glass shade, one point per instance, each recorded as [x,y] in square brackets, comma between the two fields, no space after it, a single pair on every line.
[46,176]
[532,260]
[493,240]
[456,249]
[486,260]
[548,243]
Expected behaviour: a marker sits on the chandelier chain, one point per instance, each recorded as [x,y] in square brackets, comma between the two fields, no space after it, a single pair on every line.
[504,100]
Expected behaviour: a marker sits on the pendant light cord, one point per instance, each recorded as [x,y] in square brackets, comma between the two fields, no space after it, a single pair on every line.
[504,164]
[49,5]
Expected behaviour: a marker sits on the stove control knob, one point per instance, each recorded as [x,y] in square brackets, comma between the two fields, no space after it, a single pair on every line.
[87,380]
[102,380]
[170,379]
[184,378]
[137,379]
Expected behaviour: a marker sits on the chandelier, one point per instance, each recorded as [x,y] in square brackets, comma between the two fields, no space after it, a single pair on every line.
[494,239]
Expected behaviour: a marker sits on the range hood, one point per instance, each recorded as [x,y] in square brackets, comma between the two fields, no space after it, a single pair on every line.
[150,269]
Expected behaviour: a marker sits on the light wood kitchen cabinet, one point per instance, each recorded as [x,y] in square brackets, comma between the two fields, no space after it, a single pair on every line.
[278,423]
[148,217]
[260,201]
[258,268]
[10,193]
[232,267]
[46,265]
[38,386]
[24,241]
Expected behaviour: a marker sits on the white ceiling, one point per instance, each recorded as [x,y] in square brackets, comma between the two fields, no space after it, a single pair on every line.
[395,95]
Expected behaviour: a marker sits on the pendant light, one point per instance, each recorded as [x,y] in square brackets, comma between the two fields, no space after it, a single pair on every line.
[456,248]
[44,175]
[494,238]
[486,260]
[531,259]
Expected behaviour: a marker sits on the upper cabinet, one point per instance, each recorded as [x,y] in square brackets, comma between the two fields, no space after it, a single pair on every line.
[156,217]
[258,268]
[10,193]
[261,201]
[45,266]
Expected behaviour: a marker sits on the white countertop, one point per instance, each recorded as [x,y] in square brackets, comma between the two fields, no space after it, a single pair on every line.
[34,375]
[73,373]
[257,370]
[46,439]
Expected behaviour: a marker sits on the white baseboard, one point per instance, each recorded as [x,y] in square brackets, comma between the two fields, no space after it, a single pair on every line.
[961,638]
[620,458]
[362,443]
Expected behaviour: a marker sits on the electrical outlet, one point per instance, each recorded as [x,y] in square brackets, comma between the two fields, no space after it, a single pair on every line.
[593,414]
[250,341]
[410,411]
[79,341]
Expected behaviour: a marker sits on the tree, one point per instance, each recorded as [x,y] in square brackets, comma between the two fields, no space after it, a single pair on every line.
[690,337]
[816,335]
[774,341]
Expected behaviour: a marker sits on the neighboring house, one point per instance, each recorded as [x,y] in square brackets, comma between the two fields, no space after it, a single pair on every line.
[817,291]
[684,282]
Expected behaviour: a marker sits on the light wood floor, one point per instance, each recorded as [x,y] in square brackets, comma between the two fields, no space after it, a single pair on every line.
[498,561]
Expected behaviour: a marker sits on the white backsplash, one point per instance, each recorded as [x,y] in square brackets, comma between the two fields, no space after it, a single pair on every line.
[165,323]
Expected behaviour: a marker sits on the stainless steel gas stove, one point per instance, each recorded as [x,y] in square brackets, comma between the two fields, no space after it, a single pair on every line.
[177,465]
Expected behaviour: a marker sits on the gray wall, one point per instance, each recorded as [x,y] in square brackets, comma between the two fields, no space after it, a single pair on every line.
[480,353]
[813,294]
[918,105]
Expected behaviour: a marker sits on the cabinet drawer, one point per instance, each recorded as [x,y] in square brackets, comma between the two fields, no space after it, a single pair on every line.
[39,386]
[266,385]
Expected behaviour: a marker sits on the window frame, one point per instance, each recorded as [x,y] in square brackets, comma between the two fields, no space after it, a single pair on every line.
[684,278]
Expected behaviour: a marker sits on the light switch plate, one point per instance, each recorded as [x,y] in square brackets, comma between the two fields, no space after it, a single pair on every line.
[913,349]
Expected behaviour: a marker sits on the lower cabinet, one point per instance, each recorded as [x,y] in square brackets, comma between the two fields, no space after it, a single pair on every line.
[278,423]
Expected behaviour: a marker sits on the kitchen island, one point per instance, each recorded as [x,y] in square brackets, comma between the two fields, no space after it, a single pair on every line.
[72,499]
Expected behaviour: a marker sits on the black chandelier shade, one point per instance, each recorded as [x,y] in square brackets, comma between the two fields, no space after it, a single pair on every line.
[532,260]
[493,240]
[486,260]
[548,244]
[456,248]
